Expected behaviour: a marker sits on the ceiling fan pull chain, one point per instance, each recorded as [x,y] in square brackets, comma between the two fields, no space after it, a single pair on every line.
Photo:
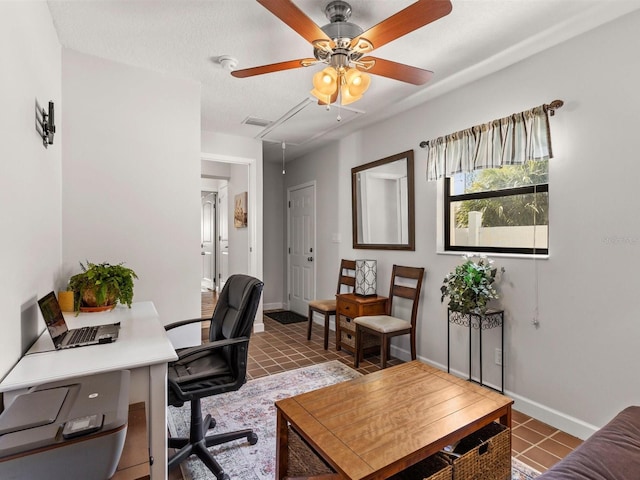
[339,98]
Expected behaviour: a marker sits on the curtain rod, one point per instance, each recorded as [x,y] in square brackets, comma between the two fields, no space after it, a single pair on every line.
[550,107]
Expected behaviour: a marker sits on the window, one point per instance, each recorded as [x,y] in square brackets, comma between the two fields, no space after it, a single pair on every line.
[503,210]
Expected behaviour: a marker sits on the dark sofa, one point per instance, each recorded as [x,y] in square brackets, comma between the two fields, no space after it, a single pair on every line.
[612,453]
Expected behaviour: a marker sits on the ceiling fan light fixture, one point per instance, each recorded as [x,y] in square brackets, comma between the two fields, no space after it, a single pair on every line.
[356,82]
[325,83]
[346,98]
[351,82]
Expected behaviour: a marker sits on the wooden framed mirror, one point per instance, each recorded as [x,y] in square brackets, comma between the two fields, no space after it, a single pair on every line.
[382,204]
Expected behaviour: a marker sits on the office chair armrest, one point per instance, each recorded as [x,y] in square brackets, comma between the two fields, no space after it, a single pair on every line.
[218,344]
[182,323]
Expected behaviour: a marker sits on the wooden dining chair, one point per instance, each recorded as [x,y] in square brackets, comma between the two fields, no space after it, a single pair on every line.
[346,279]
[388,326]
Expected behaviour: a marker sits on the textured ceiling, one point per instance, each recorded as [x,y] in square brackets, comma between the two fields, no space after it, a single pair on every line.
[185,37]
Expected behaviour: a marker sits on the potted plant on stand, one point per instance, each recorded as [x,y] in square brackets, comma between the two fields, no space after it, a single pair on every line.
[470,286]
[101,286]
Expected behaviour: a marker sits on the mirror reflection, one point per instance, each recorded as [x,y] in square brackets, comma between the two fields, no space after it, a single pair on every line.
[382,207]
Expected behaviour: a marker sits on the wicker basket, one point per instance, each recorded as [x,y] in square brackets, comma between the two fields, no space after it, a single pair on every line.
[435,467]
[484,455]
[348,335]
[303,460]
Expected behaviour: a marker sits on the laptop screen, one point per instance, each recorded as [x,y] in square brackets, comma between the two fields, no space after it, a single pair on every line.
[53,318]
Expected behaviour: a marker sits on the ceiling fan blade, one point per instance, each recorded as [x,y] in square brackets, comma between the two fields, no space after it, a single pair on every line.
[295,18]
[405,21]
[398,71]
[273,67]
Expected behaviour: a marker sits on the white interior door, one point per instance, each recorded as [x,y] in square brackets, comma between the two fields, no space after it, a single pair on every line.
[223,236]
[207,239]
[302,224]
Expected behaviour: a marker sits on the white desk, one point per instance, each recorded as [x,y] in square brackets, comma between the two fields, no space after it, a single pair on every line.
[142,343]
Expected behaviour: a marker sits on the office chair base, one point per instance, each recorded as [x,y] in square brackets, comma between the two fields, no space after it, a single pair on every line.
[199,442]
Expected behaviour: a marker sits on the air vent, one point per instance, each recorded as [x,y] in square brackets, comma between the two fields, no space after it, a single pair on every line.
[257,122]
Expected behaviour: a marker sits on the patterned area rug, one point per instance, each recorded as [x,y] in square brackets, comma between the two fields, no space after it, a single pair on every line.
[253,407]
[285,317]
[520,471]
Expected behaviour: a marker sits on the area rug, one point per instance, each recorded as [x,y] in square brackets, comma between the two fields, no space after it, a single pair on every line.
[253,407]
[521,471]
[286,317]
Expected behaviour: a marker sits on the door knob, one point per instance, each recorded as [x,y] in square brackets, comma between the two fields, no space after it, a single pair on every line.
[310,259]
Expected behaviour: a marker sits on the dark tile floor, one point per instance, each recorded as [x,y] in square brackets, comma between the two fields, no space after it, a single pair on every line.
[285,347]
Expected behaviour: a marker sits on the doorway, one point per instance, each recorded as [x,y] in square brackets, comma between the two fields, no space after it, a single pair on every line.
[208,221]
[238,249]
[301,226]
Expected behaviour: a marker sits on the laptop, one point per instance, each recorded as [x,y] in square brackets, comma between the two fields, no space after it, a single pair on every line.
[78,337]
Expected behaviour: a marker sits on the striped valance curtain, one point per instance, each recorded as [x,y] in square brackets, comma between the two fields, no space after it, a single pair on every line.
[512,140]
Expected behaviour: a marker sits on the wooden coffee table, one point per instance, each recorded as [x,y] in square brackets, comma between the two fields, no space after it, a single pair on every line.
[379,424]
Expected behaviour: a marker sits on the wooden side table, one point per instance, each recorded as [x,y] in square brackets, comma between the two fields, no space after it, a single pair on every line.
[350,306]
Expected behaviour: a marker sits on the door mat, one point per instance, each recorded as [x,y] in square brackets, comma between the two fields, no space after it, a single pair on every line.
[285,317]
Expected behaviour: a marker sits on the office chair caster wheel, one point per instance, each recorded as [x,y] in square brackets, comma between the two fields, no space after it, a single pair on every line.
[252,438]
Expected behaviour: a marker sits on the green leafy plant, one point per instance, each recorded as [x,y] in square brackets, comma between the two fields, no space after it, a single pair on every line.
[102,284]
[470,286]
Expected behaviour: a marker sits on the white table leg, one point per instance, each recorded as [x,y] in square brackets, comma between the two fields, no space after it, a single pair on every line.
[158,420]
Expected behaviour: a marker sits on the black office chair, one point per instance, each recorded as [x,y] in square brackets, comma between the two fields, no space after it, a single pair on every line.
[217,366]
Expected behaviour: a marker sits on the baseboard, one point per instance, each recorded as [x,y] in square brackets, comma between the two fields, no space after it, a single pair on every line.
[273,306]
[562,421]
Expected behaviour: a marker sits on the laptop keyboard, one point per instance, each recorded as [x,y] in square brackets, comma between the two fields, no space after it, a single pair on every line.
[82,335]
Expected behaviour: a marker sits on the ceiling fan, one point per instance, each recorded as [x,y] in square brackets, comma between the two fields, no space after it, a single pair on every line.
[343,45]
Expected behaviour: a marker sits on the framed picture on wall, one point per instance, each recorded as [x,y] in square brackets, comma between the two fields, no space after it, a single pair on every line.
[240,210]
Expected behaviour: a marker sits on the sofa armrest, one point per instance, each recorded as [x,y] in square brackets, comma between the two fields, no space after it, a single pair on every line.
[612,453]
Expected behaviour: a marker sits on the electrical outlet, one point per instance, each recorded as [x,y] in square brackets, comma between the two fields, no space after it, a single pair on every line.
[498,356]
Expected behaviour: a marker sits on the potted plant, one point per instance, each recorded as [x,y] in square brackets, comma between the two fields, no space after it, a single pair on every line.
[100,286]
[470,286]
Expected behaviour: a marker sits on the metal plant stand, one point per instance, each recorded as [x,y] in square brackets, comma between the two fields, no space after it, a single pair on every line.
[492,319]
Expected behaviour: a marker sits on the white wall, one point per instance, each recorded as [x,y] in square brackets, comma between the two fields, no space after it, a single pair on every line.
[575,370]
[215,169]
[238,236]
[274,236]
[211,184]
[131,178]
[30,178]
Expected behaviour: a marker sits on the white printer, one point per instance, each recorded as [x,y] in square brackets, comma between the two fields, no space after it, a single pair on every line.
[73,428]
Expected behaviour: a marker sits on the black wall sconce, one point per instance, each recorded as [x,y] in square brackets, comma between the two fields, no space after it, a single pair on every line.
[45,124]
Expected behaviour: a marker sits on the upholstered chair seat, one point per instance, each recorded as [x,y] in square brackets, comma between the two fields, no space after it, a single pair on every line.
[383,323]
[328,305]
